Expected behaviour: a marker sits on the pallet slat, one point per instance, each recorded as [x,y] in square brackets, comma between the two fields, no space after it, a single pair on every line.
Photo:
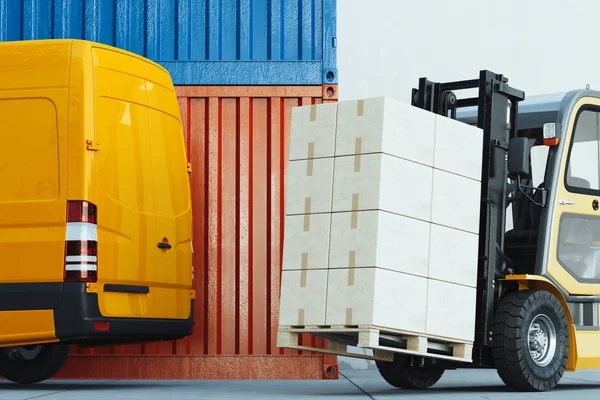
[369,337]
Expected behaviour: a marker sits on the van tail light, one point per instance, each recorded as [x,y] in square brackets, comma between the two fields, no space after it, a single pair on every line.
[81,243]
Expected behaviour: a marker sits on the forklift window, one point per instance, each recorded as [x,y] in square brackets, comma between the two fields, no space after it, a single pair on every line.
[583,170]
[579,234]
[579,246]
[538,160]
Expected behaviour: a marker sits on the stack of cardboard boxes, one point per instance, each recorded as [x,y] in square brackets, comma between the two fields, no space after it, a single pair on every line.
[382,219]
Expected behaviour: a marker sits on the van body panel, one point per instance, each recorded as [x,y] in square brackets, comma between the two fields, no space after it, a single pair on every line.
[88,122]
[161,302]
[82,183]
[161,98]
[27,327]
[34,65]
[34,173]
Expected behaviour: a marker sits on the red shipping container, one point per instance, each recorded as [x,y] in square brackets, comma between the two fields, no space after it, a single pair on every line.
[237,139]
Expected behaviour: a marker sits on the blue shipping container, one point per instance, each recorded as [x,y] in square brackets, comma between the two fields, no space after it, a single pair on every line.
[200,42]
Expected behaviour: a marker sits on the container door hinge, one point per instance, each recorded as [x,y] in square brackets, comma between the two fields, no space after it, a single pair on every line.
[92,145]
[189,167]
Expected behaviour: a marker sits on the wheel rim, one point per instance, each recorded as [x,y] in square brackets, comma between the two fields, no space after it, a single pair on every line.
[541,340]
[24,353]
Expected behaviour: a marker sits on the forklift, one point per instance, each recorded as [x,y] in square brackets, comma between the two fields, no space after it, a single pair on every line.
[538,285]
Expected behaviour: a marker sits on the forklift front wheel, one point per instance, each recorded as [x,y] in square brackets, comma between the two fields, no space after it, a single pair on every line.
[530,343]
[402,375]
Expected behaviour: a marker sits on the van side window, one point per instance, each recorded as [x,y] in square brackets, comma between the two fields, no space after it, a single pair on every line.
[583,168]
[29,154]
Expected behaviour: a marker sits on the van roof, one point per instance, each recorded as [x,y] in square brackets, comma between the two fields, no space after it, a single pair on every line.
[45,45]
[32,64]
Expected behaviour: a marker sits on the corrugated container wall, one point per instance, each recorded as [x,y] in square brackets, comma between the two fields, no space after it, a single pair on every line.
[200,42]
[240,67]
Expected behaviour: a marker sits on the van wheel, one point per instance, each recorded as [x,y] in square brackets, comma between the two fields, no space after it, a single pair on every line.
[530,343]
[404,376]
[32,364]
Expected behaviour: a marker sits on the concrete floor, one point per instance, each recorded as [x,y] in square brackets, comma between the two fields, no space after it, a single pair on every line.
[353,384]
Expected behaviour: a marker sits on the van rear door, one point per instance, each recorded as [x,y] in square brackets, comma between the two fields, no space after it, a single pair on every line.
[124,189]
[144,217]
[171,201]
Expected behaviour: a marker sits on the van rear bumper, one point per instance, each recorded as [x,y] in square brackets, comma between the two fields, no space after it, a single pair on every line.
[74,322]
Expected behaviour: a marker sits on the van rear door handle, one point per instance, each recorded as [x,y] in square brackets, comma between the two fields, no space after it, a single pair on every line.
[566,202]
[162,245]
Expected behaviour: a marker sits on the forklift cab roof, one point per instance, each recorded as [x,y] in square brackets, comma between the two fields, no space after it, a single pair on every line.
[534,112]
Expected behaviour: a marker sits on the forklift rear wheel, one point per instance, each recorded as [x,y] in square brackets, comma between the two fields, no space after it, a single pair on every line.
[404,376]
[32,364]
[530,343]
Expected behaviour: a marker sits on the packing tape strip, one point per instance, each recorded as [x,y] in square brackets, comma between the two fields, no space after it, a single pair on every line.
[354,218]
[360,108]
[306,225]
[348,316]
[351,267]
[357,153]
[311,162]
[313,113]
[303,270]
[301,316]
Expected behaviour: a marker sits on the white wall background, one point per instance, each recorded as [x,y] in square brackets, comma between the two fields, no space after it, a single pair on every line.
[385,46]
[542,46]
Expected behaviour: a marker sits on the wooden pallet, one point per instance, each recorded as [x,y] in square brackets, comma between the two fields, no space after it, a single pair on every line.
[384,342]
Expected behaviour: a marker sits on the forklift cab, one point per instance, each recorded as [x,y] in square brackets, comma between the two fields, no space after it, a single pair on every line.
[539,265]
[553,221]
[552,226]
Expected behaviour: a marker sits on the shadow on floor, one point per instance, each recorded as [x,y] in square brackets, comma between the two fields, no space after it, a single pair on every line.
[485,389]
[65,386]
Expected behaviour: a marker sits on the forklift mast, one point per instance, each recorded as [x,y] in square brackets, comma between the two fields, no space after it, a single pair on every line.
[497,109]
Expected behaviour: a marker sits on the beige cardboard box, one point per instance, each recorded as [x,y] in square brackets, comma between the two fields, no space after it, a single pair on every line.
[451,310]
[309,186]
[303,297]
[379,239]
[385,125]
[374,296]
[456,201]
[306,241]
[312,131]
[453,255]
[382,182]
[458,148]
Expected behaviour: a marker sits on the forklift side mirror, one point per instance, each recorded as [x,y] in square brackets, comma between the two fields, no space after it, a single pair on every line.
[518,157]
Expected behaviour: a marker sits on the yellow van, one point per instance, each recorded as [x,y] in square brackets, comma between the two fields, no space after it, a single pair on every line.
[95,209]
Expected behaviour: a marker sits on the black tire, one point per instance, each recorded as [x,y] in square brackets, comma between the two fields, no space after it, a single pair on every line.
[514,319]
[404,376]
[42,362]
